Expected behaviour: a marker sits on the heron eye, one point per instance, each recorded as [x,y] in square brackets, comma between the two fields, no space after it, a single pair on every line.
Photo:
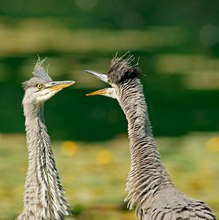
[39,86]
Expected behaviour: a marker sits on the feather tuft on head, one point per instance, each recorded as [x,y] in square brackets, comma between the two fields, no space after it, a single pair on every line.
[40,75]
[123,68]
[40,72]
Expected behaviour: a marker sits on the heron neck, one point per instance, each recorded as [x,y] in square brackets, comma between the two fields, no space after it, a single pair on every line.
[44,195]
[147,172]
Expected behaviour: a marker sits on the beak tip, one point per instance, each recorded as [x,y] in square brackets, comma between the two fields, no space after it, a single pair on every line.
[87,71]
[90,94]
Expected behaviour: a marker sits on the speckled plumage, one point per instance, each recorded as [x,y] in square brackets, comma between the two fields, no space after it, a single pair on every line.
[150,190]
[44,197]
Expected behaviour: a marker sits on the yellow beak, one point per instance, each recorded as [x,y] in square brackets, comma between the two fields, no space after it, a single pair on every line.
[98,92]
[58,85]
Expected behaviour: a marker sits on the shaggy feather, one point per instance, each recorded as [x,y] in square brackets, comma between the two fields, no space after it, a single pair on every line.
[150,189]
[44,197]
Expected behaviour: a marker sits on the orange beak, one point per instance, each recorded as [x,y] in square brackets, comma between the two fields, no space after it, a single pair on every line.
[59,85]
[98,92]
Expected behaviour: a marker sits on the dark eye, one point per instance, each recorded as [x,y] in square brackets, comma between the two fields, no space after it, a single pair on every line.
[39,86]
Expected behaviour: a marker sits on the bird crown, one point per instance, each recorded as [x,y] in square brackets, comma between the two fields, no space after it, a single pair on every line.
[123,68]
[40,72]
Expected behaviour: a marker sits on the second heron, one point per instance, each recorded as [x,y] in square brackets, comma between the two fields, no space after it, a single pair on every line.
[150,190]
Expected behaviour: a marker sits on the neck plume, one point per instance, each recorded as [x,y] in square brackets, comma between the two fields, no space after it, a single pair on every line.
[147,174]
[44,197]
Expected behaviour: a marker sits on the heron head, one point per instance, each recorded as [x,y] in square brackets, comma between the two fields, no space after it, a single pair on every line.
[120,72]
[41,87]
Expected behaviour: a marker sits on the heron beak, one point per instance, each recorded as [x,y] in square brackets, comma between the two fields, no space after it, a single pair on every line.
[102,77]
[98,92]
[109,92]
[59,85]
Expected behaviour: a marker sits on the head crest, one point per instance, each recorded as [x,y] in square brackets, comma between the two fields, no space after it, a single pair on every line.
[40,75]
[40,72]
[122,68]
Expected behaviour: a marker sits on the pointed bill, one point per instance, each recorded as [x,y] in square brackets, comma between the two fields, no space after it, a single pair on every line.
[98,92]
[58,85]
[102,77]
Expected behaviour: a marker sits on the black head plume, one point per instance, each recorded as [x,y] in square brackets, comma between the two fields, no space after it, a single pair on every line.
[123,68]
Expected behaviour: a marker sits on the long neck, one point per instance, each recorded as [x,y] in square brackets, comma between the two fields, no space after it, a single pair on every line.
[147,174]
[44,195]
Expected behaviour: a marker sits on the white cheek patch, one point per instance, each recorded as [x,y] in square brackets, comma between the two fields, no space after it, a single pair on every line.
[111,92]
[45,94]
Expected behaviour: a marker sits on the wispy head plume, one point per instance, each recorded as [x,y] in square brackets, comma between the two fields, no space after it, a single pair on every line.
[124,67]
[40,72]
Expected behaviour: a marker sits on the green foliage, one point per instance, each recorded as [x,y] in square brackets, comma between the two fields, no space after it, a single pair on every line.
[115,13]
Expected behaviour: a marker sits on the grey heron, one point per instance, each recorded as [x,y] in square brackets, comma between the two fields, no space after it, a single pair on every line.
[150,190]
[44,197]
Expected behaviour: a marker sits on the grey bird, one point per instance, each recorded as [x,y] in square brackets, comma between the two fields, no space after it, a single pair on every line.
[150,190]
[44,197]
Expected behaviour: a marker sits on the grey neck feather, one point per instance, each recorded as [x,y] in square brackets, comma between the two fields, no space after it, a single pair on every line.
[149,187]
[44,197]
[147,174]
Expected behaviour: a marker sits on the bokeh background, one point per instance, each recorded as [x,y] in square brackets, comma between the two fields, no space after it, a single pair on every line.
[178,46]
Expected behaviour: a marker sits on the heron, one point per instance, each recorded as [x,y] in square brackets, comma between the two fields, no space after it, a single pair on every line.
[44,196]
[149,187]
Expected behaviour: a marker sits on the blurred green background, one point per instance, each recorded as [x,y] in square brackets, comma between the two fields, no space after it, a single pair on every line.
[178,46]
